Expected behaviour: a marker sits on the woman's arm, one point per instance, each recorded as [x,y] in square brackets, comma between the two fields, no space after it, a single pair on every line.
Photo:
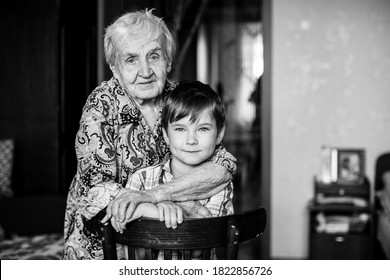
[202,182]
[96,156]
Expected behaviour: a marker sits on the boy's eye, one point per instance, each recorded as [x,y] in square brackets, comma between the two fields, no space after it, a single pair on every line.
[204,129]
[179,129]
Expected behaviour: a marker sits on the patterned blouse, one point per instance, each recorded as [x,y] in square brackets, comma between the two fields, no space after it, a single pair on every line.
[113,141]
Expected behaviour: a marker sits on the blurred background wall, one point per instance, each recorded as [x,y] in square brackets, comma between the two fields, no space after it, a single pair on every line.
[330,84]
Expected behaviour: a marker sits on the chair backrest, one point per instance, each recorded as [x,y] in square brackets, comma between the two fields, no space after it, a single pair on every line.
[202,234]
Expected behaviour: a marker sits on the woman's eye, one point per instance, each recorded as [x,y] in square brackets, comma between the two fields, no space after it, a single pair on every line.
[154,57]
[131,60]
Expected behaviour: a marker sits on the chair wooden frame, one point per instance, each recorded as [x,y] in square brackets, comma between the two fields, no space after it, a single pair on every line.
[203,234]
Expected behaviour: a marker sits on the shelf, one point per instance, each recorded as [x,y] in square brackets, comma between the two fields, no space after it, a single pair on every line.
[313,206]
[336,189]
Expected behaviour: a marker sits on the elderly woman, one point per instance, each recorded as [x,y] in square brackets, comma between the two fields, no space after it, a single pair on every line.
[120,132]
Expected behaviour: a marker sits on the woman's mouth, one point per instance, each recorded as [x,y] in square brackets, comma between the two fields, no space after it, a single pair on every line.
[146,82]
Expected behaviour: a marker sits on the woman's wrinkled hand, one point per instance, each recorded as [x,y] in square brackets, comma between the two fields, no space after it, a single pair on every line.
[122,207]
[194,209]
[142,210]
[118,227]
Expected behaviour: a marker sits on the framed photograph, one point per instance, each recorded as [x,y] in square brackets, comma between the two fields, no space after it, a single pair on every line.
[350,166]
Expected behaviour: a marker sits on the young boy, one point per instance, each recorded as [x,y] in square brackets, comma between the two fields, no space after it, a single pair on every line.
[193,121]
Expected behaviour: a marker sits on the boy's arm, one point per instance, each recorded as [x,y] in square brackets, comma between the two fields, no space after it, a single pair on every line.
[169,212]
[147,210]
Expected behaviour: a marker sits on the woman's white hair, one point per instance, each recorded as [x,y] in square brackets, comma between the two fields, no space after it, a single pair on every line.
[132,26]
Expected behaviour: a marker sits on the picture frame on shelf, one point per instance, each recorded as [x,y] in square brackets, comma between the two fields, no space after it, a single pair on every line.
[350,166]
[343,166]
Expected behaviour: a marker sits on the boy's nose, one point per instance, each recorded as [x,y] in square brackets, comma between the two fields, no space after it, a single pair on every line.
[192,139]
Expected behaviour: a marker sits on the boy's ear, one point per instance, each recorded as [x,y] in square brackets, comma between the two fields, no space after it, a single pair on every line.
[165,136]
[220,135]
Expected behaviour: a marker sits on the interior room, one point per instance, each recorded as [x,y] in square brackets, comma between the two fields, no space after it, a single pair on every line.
[297,78]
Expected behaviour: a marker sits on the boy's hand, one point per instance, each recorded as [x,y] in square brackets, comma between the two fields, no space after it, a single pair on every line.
[171,213]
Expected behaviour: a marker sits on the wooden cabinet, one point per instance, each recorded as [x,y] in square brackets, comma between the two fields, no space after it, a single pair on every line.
[341,223]
[340,232]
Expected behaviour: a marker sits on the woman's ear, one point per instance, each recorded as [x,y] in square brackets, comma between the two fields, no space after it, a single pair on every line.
[113,70]
[165,134]
[220,135]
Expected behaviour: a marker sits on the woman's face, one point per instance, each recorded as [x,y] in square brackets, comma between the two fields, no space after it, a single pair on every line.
[142,69]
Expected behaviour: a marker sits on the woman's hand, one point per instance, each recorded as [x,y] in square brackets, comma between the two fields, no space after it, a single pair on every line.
[142,210]
[124,204]
[171,213]
[118,227]
[194,209]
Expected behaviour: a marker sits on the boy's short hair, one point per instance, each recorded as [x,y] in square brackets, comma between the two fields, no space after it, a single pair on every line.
[190,98]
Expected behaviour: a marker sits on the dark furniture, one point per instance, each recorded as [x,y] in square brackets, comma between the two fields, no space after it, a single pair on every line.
[32,215]
[341,222]
[202,234]
[33,227]
[382,207]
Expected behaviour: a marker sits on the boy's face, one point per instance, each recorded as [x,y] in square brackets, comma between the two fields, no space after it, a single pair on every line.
[192,143]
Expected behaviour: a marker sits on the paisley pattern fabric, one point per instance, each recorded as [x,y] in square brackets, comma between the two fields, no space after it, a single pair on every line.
[113,141]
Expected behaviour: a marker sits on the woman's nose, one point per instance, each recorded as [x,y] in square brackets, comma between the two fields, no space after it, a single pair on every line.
[145,70]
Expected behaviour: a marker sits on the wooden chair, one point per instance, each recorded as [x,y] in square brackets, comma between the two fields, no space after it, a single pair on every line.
[202,234]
